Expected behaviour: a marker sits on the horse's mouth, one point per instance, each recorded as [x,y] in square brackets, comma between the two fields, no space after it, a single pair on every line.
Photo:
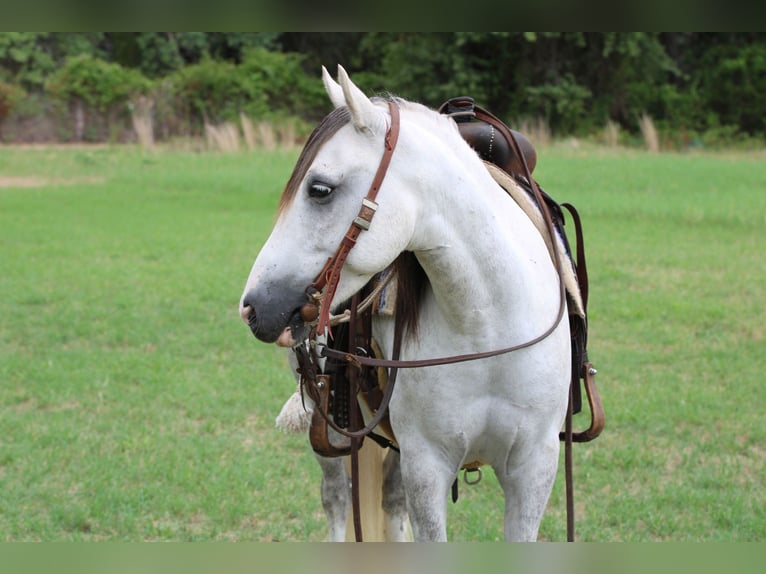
[294,332]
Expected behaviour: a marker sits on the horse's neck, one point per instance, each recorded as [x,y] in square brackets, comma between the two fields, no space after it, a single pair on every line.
[479,250]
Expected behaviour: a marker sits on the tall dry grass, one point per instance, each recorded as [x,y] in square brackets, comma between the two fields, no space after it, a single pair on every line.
[537,131]
[649,133]
[268,135]
[248,131]
[142,117]
[287,135]
[612,134]
[258,135]
[223,137]
[264,135]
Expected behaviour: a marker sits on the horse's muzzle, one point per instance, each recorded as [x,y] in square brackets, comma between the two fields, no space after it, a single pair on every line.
[280,320]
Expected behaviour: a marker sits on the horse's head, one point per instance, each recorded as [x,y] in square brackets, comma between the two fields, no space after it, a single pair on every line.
[322,198]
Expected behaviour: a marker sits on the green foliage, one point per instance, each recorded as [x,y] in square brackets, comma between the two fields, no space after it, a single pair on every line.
[557,76]
[265,85]
[733,79]
[10,95]
[428,68]
[563,103]
[99,83]
[28,58]
[23,58]
[287,89]
[574,81]
[164,52]
[234,45]
[158,54]
[216,91]
[413,67]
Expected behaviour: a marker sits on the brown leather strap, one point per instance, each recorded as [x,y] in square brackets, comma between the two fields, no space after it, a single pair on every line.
[581,266]
[568,476]
[357,514]
[326,351]
[355,421]
[597,416]
[329,276]
[319,391]
[388,393]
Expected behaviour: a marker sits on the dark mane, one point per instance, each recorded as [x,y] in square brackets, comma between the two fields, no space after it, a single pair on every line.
[327,128]
[411,282]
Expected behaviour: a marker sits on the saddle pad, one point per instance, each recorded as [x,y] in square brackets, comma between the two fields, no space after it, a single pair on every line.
[522,199]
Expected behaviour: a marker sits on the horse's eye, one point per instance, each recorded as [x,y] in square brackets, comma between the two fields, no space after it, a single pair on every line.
[319,190]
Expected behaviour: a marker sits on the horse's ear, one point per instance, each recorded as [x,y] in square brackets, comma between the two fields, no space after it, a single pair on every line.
[365,115]
[333,89]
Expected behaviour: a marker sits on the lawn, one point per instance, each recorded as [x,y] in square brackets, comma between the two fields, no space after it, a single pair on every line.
[136,406]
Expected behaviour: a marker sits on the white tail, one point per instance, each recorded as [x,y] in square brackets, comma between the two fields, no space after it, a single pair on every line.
[370,494]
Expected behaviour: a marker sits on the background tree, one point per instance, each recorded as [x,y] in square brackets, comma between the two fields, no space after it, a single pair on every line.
[86,81]
[696,84]
[10,96]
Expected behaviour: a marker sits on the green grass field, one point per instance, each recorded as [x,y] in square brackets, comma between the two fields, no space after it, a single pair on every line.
[136,406]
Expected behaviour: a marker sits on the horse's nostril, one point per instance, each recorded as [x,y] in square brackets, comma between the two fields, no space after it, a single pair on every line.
[247,313]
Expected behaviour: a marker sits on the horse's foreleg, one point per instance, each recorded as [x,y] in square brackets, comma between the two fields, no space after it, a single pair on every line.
[427,480]
[394,500]
[336,496]
[527,486]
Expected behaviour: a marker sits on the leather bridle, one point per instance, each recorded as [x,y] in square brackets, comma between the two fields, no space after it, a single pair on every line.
[329,277]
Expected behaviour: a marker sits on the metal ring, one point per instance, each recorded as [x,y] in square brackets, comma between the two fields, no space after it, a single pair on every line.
[472,482]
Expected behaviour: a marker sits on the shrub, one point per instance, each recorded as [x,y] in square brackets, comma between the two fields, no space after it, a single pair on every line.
[98,83]
[90,84]
[672,107]
[214,92]
[562,103]
[287,90]
[265,86]
[733,81]
[10,96]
